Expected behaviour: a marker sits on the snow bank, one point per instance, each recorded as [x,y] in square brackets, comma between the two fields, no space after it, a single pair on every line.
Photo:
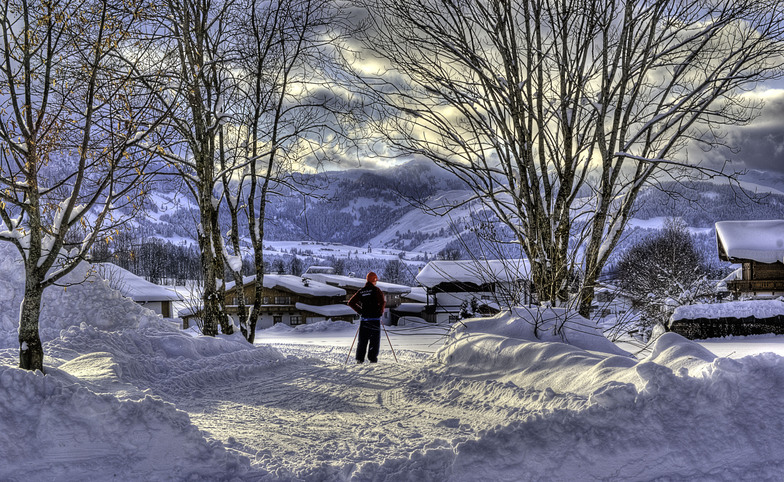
[317,327]
[680,414]
[759,309]
[69,421]
[66,432]
[540,324]
[322,326]
[83,298]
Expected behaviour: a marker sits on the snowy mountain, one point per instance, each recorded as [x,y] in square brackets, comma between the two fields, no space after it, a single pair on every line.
[357,210]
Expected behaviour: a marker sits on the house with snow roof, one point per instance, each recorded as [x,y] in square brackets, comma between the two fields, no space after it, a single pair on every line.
[474,287]
[150,295]
[292,300]
[412,304]
[758,246]
[392,292]
[286,299]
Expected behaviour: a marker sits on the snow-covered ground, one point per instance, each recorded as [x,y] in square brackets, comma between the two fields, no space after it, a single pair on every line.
[128,396]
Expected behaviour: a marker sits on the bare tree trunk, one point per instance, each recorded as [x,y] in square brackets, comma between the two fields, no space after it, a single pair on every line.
[227,327]
[211,296]
[31,352]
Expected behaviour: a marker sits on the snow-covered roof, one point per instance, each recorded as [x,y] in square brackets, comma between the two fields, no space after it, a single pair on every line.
[473,271]
[418,293]
[356,283]
[295,284]
[327,310]
[189,311]
[411,307]
[761,241]
[134,287]
[759,309]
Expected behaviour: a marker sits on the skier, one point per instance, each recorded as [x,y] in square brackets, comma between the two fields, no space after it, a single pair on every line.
[369,302]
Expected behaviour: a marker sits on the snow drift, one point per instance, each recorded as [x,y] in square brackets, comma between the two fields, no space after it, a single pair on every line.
[681,413]
[83,297]
[129,396]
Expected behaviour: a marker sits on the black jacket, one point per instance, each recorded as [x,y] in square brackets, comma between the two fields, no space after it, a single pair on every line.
[368,301]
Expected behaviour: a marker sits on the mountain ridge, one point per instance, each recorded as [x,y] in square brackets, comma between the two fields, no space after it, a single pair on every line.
[377,209]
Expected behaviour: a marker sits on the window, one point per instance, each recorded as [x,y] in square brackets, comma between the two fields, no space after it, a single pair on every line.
[283,300]
[295,320]
[265,300]
[276,319]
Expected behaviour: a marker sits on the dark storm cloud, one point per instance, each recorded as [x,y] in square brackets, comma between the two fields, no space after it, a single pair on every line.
[761,143]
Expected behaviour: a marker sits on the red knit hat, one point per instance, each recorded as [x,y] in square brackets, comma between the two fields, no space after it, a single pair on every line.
[372,277]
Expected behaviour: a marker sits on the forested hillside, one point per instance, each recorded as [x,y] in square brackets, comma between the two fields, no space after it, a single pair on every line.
[379,209]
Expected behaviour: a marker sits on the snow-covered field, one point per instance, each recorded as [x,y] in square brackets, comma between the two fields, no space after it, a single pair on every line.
[128,396]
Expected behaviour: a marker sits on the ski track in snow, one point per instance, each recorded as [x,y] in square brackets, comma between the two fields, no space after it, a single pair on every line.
[328,421]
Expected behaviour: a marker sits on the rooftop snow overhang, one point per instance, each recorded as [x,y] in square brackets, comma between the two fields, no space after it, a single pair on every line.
[743,241]
[327,310]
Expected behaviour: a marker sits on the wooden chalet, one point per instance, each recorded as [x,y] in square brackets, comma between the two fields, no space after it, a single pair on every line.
[758,246]
[482,287]
[159,299]
[287,299]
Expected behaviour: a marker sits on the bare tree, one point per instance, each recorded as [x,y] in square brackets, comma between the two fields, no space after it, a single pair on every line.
[193,78]
[663,271]
[289,115]
[557,113]
[70,121]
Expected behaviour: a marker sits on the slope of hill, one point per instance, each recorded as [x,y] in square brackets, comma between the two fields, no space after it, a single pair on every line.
[380,209]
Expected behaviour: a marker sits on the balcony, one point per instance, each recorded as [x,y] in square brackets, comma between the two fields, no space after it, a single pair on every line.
[756,286]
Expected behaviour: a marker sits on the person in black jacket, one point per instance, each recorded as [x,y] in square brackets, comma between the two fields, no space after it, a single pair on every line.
[369,302]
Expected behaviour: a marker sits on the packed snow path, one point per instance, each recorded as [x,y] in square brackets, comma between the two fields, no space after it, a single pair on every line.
[312,417]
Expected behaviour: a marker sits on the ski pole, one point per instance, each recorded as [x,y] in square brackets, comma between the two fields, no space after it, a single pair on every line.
[390,342]
[352,347]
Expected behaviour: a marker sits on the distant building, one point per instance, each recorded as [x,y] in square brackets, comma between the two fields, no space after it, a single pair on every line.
[392,292]
[286,299]
[759,247]
[481,287]
[155,297]
[610,300]
[412,304]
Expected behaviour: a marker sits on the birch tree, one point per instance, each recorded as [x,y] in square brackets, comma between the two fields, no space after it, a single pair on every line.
[70,121]
[193,79]
[557,112]
[246,83]
[289,113]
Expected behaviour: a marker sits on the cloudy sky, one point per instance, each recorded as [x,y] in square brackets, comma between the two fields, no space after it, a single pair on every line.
[762,142]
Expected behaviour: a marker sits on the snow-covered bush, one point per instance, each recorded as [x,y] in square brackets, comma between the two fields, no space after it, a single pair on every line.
[662,272]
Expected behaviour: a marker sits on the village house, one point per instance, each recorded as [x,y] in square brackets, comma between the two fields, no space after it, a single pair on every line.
[286,299]
[610,300]
[758,246]
[456,289]
[412,304]
[326,274]
[150,295]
